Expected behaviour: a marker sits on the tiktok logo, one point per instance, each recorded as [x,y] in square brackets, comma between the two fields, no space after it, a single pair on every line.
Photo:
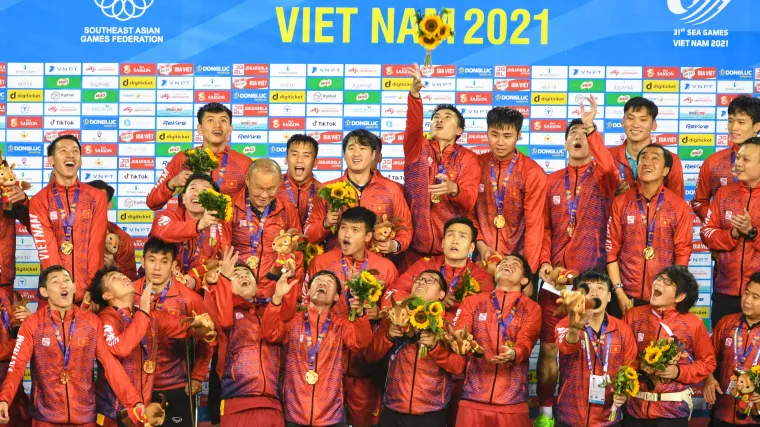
[699,11]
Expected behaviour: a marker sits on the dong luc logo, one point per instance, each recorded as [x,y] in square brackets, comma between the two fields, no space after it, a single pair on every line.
[123,10]
[699,11]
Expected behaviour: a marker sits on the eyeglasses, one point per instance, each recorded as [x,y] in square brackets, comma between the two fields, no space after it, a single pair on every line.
[664,279]
[425,280]
[259,191]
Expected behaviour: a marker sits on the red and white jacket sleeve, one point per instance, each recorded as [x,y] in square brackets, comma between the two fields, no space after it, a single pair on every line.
[160,194]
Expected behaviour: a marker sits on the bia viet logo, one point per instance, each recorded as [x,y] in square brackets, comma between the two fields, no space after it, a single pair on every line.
[123,10]
[287,123]
[665,139]
[51,135]
[699,11]
[699,73]
[175,69]
[250,83]
[511,85]
[326,136]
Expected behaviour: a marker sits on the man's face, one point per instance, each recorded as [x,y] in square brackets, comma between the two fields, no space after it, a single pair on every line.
[748,164]
[359,158]
[262,188]
[638,125]
[457,242]
[577,144]
[215,128]
[510,271]
[59,289]
[353,237]
[445,125]
[300,161]
[503,140]
[652,165]
[428,287]
[190,198]
[602,291]
[67,159]
[158,267]
[740,127]
[664,292]
[243,283]
[324,289]
[117,286]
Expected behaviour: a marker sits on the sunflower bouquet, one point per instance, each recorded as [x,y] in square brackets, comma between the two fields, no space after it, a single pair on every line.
[212,200]
[337,195]
[468,285]
[366,288]
[200,160]
[659,354]
[426,316]
[310,250]
[625,383]
[432,31]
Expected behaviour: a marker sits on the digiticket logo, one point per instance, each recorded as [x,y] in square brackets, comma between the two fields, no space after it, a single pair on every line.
[699,11]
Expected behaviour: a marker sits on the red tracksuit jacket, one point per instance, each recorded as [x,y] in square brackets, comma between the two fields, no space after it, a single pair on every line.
[88,236]
[380,195]
[251,367]
[499,384]
[299,196]
[171,370]
[232,181]
[320,404]
[524,200]
[8,241]
[74,402]
[421,159]
[725,344]
[627,236]
[716,172]
[735,260]
[415,386]
[176,226]
[674,180]
[124,342]
[585,249]
[125,256]
[573,407]
[691,332]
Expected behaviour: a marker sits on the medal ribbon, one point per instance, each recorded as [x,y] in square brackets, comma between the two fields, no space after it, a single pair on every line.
[622,172]
[144,341]
[6,320]
[739,357]
[67,220]
[66,350]
[650,232]
[669,331]
[572,202]
[592,343]
[345,272]
[255,237]
[222,169]
[314,350]
[499,197]
[504,324]
[186,247]
[455,280]
[733,165]
[442,168]
[312,191]
[162,297]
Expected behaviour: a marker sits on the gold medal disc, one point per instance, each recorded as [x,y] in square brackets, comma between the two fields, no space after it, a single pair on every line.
[649,253]
[499,221]
[67,248]
[311,377]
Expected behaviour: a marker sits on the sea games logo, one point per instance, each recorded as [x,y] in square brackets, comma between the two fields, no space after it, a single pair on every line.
[699,11]
[124,10]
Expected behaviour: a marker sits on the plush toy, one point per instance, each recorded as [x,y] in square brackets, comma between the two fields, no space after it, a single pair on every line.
[179,277]
[202,324]
[112,243]
[153,415]
[573,303]
[398,312]
[384,231]
[743,390]
[286,244]
[462,341]
[18,301]
[8,181]
[561,277]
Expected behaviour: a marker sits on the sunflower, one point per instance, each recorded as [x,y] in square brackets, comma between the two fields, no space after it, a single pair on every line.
[369,278]
[350,191]
[444,32]
[755,369]
[375,294]
[652,355]
[475,285]
[312,250]
[190,152]
[428,42]
[211,155]
[631,374]
[338,192]
[435,309]
[228,209]
[665,348]
[430,25]
[633,390]
[419,318]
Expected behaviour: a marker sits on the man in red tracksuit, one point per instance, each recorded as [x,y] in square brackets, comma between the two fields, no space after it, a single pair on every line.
[649,229]
[315,344]
[124,258]
[19,407]
[578,202]
[170,377]
[596,345]
[250,367]
[730,233]
[735,341]
[259,217]
[8,220]
[440,176]
[69,219]
[505,323]
[717,170]
[373,192]
[299,184]
[639,120]
[132,334]
[214,125]
[417,390]
[62,342]
[200,234]
[668,403]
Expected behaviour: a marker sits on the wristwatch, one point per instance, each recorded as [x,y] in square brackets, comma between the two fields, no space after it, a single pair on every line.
[752,234]
[593,129]
[617,286]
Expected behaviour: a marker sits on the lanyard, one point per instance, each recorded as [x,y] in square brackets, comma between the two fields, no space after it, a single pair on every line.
[345,272]
[504,324]
[733,165]
[650,231]
[442,168]
[144,341]
[669,332]
[622,172]
[6,320]
[66,350]
[313,350]
[312,191]
[68,220]
[162,297]
[455,280]
[499,196]
[592,343]
[572,205]
[186,251]
[255,237]
[222,168]
[739,357]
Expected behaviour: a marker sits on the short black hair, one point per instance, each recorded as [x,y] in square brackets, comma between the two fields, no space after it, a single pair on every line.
[637,103]
[504,118]
[441,280]
[527,272]
[571,124]
[102,185]
[196,176]
[685,284]
[752,141]
[300,138]
[746,105]
[755,277]
[327,273]
[157,246]
[51,147]
[363,137]
[97,287]
[213,107]
[360,214]
[462,220]
[453,109]
[665,151]
[594,276]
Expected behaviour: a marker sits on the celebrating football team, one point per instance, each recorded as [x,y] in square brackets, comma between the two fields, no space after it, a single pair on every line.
[360,302]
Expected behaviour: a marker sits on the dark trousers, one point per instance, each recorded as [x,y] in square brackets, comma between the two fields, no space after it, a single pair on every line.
[289,424]
[389,418]
[629,421]
[723,305]
[214,390]
[178,411]
[559,424]
[613,308]
[719,423]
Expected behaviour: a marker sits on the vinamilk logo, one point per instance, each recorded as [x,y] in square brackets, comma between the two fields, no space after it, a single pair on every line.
[699,11]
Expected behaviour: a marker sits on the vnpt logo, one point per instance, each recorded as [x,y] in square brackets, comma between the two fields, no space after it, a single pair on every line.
[123,10]
[699,11]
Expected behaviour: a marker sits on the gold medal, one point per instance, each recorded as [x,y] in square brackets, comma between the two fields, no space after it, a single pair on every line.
[65,377]
[649,253]
[570,230]
[67,248]
[499,221]
[253,262]
[311,377]
[509,344]
[149,367]
[435,199]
